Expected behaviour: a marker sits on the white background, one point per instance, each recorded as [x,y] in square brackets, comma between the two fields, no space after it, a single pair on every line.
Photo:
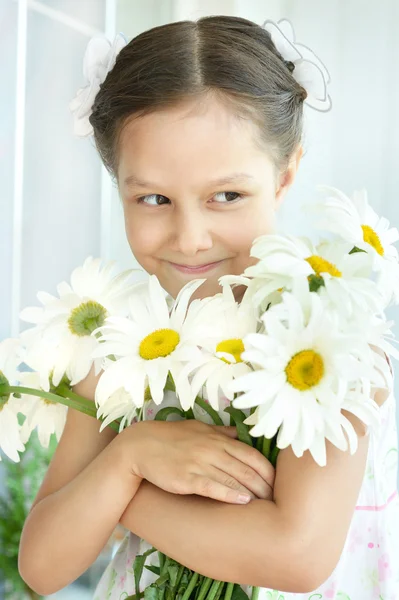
[57,205]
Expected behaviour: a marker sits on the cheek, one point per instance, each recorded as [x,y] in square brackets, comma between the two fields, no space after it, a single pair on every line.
[143,235]
[260,221]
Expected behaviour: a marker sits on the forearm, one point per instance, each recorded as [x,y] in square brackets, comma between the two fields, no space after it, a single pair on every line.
[65,532]
[246,544]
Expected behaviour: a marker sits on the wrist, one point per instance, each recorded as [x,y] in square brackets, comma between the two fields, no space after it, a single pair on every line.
[129,443]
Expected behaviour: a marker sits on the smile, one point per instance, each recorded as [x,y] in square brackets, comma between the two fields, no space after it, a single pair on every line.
[196,269]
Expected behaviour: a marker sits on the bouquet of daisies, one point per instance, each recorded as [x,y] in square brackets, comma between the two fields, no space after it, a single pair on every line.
[307,344]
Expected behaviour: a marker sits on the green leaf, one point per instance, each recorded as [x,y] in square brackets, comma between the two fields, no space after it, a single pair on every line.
[181,588]
[238,593]
[189,414]
[356,249]
[315,282]
[164,413]
[156,570]
[138,567]
[151,592]
[173,571]
[22,482]
[243,430]
[162,579]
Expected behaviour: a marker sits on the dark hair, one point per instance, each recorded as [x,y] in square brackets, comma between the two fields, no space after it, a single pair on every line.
[231,57]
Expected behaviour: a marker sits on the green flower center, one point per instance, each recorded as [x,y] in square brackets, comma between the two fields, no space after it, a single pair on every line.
[305,370]
[321,265]
[86,317]
[159,343]
[234,346]
[370,237]
[3,383]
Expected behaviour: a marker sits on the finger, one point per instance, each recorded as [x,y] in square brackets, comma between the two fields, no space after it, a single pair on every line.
[228,430]
[228,480]
[246,476]
[210,488]
[253,458]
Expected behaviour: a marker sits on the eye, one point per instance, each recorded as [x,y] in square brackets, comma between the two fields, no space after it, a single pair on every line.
[229,198]
[154,200]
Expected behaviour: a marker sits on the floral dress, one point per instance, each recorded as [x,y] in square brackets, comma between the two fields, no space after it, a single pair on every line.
[369,565]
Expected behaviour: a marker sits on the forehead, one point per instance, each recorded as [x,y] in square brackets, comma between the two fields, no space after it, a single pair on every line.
[194,138]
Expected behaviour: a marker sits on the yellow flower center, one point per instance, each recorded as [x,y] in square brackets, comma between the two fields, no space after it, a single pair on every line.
[305,370]
[234,346]
[370,237]
[86,317]
[159,343]
[321,265]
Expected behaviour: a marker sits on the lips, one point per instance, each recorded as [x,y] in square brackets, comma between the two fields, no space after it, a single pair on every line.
[196,268]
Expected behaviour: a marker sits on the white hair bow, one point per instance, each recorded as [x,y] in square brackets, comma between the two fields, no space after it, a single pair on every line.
[309,71]
[99,59]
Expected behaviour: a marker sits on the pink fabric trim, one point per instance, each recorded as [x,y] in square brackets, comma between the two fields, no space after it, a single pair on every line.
[378,508]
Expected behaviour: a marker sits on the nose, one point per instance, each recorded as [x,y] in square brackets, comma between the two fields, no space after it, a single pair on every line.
[191,232]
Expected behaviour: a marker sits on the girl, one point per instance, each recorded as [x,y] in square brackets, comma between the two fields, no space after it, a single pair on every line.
[200,124]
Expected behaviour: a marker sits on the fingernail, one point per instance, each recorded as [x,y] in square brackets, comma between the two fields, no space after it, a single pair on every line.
[243,499]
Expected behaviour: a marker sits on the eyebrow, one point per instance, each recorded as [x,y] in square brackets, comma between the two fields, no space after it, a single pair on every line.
[133,181]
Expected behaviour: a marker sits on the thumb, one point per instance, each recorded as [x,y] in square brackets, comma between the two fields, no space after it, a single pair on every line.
[229,430]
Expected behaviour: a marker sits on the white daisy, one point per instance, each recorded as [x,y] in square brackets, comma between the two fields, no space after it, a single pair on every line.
[148,344]
[305,367]
[65,324]
[329,267]
[261,292]
[377,332]
[10,430]
[356,222]
[221,360]
[118,406]
[47,416]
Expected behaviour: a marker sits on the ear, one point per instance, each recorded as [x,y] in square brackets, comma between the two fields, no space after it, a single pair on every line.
[287,177]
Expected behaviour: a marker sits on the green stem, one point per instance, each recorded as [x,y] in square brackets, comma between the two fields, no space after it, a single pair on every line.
[200,401]
[214,589]
[178,579]
[229,591]
[190,586]
[164,569]
[206,584]
[255,593]
[266,443]
[274,455]
[200,581]
[83,405]
[211,411]
[219,590]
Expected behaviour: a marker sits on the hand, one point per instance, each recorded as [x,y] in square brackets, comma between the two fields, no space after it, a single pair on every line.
[191,457]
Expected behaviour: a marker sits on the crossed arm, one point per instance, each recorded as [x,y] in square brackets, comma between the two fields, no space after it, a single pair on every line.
[277,544]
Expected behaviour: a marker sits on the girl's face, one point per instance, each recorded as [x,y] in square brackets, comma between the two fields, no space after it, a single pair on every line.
[196,192]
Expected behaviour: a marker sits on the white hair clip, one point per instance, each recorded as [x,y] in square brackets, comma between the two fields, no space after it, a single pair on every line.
[99,59]
[309,71]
